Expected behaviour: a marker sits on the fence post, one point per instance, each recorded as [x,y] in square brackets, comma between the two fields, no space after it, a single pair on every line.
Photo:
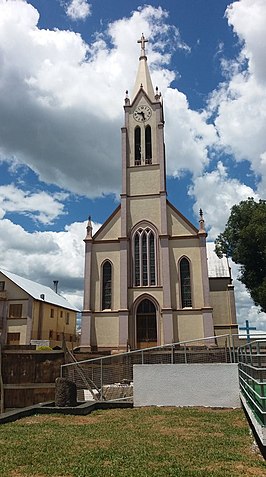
[172,355]
[101,379]
[142,357]
[185,353]
[2,405]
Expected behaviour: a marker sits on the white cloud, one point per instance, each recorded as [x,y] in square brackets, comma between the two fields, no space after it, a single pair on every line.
[240,102]
[47,256]
[188,136]
[245,308]
[216,193]
[78,9]
[40,206]
[61,100]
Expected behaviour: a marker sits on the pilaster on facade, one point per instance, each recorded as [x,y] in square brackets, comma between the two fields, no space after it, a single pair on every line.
[87,274]
[85,339]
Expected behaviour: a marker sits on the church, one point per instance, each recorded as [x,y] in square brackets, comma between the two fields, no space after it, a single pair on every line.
[150,276]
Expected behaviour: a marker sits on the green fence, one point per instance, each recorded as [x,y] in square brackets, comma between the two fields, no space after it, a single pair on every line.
[252,377]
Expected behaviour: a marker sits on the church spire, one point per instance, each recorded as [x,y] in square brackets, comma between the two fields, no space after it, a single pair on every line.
[143,79]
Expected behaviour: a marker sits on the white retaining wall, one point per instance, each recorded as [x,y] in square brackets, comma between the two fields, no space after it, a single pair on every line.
[211,385]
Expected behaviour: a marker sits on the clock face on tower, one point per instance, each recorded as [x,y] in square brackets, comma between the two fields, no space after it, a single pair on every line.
[142,113]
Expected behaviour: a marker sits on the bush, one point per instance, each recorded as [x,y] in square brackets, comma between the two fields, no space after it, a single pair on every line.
[43,348]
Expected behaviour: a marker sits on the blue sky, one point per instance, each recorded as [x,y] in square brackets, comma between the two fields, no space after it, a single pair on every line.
[64,69]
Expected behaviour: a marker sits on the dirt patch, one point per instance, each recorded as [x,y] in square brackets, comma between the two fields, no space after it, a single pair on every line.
[65,420]
[242,469]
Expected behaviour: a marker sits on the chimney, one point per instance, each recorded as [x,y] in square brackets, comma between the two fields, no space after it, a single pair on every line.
[55,282]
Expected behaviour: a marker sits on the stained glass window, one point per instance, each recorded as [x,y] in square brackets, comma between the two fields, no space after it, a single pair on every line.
[137,261]
[144,258]
[107,286]
[185,283]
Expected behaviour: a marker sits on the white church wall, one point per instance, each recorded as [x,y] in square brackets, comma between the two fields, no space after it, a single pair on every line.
[140,209]
[210,385]
[112,229]
[190,249]
[144,180]
[190,327]
[102,252]
[177,225]
[107,330]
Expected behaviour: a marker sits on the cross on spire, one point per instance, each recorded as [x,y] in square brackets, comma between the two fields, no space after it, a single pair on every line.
[142,41]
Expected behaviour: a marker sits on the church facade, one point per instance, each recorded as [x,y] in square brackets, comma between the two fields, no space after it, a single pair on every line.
[149,278]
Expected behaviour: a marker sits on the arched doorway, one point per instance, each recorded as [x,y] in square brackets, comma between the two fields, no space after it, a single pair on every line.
[146,324]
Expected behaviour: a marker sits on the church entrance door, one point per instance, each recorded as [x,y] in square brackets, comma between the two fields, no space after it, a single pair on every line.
[146,324]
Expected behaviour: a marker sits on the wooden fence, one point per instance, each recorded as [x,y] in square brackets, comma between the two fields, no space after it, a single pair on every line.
[29,376]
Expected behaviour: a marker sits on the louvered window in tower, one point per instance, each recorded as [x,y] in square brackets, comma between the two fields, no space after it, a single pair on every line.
[148,146]
[107,286]
[137,141]
[185,283]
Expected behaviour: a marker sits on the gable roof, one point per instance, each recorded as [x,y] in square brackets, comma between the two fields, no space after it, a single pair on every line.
[107,221]
[217,267]
[35,290]
[184,219]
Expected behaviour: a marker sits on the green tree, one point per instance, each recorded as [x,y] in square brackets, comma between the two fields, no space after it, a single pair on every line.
[244,240]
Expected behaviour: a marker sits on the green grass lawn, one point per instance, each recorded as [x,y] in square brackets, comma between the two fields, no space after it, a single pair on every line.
[187,442]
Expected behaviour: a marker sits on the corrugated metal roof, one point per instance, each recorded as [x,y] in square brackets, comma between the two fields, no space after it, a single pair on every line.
[35,290]
[217,267]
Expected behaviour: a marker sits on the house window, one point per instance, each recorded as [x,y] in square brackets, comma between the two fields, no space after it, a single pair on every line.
[15,311]
[144,258]
[67,318]
[107,286]
[137,146]
[2,286]
[148,146]
[61,314]
[185,283]
[52,313]
[13,338]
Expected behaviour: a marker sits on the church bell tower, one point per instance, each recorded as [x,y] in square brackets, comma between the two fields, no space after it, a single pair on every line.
[143,202]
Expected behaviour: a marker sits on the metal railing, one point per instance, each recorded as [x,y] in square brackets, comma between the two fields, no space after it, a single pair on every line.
[252,377]
[110,377]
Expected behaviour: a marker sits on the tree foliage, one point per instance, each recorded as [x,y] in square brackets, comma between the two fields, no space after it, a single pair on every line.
[244,240]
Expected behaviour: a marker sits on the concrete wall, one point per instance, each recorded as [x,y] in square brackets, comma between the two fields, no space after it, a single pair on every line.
[211,385]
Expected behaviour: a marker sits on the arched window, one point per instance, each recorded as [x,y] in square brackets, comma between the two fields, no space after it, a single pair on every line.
[185,283]
[144,258]
[148,147]
[107,286]
[137,146]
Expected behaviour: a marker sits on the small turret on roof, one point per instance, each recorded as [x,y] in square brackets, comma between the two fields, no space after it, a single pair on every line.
[143,79]
[89,229]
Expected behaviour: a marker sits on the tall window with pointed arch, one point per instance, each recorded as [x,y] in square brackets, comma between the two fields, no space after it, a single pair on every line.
[107,285]
[186,296]
[137,142]
[144,253]
[148,145]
